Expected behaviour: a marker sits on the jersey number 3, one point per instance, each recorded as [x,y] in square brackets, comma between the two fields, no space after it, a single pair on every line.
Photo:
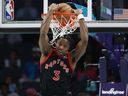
[56,75]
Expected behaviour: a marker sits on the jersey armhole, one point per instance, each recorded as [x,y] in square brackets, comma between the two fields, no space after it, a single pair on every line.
[46,58]
[70,62]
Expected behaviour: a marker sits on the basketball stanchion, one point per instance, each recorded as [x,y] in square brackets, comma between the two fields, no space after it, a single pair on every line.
[123,70]
[103,69]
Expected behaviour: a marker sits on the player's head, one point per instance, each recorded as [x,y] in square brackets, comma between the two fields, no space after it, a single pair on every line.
[63,44]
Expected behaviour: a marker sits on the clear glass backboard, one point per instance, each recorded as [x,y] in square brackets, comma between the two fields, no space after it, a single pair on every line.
[98,13]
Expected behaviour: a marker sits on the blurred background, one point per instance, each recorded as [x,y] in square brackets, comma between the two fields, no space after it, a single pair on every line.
[105,61]
[101,9]
[20,54]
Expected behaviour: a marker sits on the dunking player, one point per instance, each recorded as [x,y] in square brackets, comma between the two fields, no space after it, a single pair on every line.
[57,64]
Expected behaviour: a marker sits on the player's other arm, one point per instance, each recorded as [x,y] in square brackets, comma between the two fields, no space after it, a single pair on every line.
[43,38]
[82,44]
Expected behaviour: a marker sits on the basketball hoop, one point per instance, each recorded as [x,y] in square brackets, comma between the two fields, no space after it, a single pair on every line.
[62,24]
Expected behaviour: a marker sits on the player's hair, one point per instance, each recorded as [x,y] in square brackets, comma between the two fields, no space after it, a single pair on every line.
[71,40]
[65,37]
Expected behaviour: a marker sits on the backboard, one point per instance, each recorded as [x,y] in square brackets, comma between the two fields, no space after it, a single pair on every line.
[85,5]
[98,13]
[8,14]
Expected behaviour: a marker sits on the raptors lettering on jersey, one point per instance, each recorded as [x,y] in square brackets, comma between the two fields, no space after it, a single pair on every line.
[58,61]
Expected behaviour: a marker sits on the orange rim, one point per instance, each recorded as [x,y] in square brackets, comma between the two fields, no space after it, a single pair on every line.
[59,13]
[63,23]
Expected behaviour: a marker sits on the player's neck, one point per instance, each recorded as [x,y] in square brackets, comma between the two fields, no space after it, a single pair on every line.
[62,55]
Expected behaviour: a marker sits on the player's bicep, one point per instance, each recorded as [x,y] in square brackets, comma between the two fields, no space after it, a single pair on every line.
[79,51]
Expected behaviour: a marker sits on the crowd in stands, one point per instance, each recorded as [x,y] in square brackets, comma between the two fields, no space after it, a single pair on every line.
[19,64]
[20,71]
[19,67]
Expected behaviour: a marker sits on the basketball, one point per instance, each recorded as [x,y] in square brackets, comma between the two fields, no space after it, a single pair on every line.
[64,7]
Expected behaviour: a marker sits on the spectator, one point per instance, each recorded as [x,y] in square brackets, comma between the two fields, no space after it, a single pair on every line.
[14,39]
[4,90]
[12,87]
[31,92]
[91,86]
[31,68]
[12,65]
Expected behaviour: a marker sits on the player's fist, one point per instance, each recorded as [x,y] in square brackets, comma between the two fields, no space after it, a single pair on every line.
[53,7]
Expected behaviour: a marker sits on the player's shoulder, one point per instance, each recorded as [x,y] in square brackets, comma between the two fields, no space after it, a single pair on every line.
[46,54]
[42,58]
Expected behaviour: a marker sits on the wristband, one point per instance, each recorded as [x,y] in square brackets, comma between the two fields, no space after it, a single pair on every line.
[80,16]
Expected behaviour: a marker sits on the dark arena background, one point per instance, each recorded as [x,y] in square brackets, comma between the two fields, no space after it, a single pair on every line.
[101,71]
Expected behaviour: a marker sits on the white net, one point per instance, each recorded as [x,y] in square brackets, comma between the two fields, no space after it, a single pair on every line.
[61,26]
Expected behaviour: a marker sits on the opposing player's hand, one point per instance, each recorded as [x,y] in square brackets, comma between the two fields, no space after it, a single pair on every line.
[53,7]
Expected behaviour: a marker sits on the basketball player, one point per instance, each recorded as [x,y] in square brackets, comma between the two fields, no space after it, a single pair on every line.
[57,64]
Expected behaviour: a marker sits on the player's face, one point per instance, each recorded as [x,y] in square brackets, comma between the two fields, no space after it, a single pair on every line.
[62,45]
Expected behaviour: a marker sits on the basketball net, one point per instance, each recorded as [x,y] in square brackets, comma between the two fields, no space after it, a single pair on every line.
[62,24]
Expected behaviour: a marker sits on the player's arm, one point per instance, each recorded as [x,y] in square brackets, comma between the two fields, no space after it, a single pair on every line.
[43,38]
[82,44]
